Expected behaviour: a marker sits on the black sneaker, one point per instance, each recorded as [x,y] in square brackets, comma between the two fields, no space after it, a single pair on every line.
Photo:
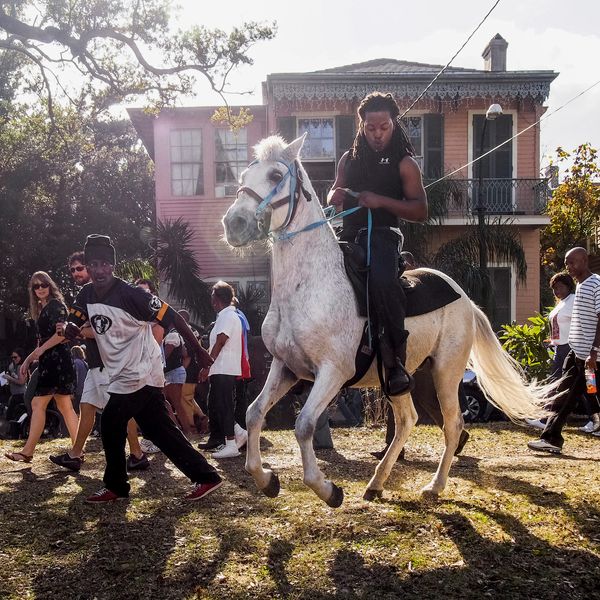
[137,464]
[210,444]
[68,462]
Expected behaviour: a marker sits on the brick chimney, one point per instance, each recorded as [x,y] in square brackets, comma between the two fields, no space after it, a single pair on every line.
[494,55]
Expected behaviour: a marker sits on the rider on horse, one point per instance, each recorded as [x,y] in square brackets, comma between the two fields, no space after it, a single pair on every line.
[385,177]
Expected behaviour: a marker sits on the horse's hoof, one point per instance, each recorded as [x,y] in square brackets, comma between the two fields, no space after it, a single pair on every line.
[336,498]
[429,493]
[371,495]
[273,487]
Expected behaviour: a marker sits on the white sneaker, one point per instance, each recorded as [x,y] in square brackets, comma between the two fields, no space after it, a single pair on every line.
[228,451]
[148,447]
[537,423]
[241,436]
[544,446]
[587,428]
[596,433]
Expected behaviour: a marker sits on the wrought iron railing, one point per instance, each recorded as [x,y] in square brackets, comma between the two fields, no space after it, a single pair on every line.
[498,196]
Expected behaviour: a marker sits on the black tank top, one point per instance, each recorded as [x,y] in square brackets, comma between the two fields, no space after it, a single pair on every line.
[381,176]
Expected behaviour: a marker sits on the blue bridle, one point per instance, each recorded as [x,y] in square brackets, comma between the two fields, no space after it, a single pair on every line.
[294,175]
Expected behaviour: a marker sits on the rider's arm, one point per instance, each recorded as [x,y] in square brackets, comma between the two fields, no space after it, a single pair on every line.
[414,206]
[338,190]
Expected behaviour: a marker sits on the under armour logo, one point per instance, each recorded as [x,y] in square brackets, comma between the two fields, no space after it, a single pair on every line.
[101,324]
[384,161]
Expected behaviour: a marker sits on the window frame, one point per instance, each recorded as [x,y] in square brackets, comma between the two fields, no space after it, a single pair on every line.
[328,116]
[197,182]
[239,164]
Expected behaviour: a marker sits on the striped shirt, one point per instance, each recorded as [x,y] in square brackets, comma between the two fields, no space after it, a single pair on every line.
[584,320]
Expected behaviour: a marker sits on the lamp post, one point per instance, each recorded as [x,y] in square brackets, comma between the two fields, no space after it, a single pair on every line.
[492,112]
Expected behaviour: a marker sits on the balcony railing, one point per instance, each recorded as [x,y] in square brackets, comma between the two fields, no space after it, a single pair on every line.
[499,196]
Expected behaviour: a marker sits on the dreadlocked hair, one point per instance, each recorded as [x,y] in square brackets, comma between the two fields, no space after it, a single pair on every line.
[399,144]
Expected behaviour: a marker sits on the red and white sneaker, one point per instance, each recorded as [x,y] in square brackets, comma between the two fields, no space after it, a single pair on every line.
[102,496]
[203,489]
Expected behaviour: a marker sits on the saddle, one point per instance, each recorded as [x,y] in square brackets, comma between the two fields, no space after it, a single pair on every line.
[425,292]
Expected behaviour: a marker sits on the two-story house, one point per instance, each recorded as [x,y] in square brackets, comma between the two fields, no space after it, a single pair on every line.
[197,162]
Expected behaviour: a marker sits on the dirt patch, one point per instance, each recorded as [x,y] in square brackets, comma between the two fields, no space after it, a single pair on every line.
[511,524]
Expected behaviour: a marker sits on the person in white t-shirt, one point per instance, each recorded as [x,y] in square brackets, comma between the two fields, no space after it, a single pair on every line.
[584,340]
[226,436]
[559,318]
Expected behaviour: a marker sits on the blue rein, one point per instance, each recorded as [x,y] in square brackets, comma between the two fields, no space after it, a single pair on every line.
[292,174]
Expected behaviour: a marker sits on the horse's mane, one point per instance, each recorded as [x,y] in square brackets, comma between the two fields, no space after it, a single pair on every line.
[269,149]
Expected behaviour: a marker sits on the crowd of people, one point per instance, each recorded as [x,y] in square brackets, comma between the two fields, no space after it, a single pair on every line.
[122,352]
[145,370]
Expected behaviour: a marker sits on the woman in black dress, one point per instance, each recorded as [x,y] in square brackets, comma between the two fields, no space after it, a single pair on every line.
[56,376]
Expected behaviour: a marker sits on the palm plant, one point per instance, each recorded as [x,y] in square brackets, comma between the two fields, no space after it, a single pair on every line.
[460,257]
[248,302]
[176,264]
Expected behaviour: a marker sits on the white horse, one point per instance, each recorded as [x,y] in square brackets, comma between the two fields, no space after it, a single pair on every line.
[313,328]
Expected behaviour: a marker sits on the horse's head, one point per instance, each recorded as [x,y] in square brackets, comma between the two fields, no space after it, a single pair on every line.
[269,188]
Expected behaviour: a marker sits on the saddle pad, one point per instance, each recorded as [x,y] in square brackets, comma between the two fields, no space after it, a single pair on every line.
[426,292]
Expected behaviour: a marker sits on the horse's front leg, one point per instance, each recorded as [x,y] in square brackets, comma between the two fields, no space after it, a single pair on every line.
[405,417]
[279,380]
[327,384]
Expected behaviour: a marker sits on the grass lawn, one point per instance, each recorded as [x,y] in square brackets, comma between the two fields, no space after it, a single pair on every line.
[511,524]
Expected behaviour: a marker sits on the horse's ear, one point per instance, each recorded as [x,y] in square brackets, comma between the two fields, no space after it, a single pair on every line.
[292,150]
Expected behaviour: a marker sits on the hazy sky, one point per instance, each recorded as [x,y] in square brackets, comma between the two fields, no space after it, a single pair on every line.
[542,34]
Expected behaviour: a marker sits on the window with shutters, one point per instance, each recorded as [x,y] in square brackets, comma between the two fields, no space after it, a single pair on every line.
[425,133]
[187,173]
[414,130]
[231,158]
[320,141]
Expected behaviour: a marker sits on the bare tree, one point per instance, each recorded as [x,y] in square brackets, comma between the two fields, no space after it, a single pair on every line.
[121,48]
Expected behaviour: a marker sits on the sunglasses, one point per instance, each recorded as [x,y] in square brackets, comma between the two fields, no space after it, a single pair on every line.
[15,356]
[78,269]
[37,286]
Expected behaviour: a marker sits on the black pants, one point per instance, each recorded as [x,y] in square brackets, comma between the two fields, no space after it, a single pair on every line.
[572,386]
[221,407]
[386,295]
[148,407]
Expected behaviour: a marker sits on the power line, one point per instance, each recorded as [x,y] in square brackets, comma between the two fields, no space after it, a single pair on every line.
[450,61]
[515,136]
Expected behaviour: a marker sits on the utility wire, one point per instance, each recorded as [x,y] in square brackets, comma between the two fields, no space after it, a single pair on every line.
[515,136]
[450,61]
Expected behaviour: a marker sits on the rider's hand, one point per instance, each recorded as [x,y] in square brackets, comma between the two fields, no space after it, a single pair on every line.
[368,200]
[336,197]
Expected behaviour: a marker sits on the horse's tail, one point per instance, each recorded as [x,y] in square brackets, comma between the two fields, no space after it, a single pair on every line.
[501,377]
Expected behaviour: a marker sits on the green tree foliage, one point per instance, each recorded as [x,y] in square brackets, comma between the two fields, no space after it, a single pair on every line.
[59,182]
[525,343]
[120,49]
[174,260]
[574,208]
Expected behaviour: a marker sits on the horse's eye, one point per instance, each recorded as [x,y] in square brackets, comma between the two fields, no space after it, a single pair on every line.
[275,176]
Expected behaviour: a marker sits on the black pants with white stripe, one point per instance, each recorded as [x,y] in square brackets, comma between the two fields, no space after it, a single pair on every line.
[148,407]
[572,386]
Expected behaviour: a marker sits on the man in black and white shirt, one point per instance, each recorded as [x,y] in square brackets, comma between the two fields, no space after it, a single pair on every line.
[120,315]
[584,340]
